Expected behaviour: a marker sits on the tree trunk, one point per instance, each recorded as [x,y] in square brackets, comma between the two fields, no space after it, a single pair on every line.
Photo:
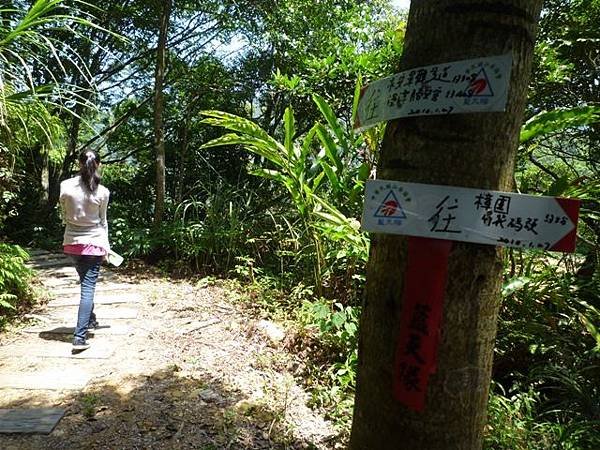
[472,150]
[159,136]
[185,135]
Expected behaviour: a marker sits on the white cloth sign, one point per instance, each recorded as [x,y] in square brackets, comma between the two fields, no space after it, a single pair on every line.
[473,85]
[470,215]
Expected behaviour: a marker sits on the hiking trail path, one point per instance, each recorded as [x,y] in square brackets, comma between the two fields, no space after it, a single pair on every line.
[173,365]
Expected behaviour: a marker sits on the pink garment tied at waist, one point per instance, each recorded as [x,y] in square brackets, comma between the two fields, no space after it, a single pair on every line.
[84,249]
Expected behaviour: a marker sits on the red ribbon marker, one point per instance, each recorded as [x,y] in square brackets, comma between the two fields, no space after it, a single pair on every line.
[424,288]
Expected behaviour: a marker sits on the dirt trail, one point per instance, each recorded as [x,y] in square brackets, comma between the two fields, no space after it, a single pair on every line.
[173,366]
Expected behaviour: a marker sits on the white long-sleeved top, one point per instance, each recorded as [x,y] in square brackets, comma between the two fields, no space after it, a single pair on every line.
[84,213]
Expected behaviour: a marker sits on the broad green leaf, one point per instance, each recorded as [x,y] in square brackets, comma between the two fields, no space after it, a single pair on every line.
[356,98]
[350,328]
[241,125]
[317,181]
[338,318]
[329,147]
[268,174]
[331,175]
[252,144]
[332,121]
[592,329]
[307,141]
[320,311]
[558,120]
[290,131]
[363,172]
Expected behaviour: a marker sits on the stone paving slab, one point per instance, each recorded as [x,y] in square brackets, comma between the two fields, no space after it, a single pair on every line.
[58,283]
[60,272]
[54,341]
[57,349]
[105,312]
[41,255]
[48,380]
[58,262]
[63,282]
[99,299]
[100,287]
[38,252]
[116,313]
[30,421]
[61,328]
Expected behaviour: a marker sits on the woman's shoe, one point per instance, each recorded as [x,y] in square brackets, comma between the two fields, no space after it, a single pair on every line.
[80,344]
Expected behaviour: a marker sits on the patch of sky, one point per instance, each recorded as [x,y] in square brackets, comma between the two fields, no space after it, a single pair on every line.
[401,4]
[228,51]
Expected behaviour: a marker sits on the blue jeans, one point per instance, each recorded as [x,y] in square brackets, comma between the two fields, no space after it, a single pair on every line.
[88,268]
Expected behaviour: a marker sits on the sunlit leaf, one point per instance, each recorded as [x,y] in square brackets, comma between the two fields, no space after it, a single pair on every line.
[557,120]
[514,285]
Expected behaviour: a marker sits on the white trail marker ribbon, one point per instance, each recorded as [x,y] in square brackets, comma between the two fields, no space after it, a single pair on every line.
[472,85]
[471,215]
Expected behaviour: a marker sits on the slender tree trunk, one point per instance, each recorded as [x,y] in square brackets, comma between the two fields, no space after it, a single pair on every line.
[471,150]
[159,136]
[185,134]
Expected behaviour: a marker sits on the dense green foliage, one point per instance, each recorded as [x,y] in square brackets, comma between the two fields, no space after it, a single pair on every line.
[547,365]
[14,280]
[265,175]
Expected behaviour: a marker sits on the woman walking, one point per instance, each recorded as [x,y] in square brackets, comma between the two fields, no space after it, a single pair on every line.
[83,202]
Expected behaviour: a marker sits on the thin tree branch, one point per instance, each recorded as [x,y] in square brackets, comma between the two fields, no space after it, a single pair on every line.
[115,125]
[131,153]
[541,166]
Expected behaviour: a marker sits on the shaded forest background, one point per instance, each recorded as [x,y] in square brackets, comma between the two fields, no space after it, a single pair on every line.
[264,176]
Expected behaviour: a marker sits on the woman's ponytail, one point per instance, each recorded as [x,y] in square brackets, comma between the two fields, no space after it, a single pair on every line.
[89,161]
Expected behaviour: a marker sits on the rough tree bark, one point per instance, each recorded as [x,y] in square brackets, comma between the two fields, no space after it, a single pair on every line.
[159,134]
[470,150]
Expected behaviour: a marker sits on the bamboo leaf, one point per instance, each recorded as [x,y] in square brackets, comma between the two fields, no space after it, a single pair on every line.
[363,172]
[33,18]
[37,91]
